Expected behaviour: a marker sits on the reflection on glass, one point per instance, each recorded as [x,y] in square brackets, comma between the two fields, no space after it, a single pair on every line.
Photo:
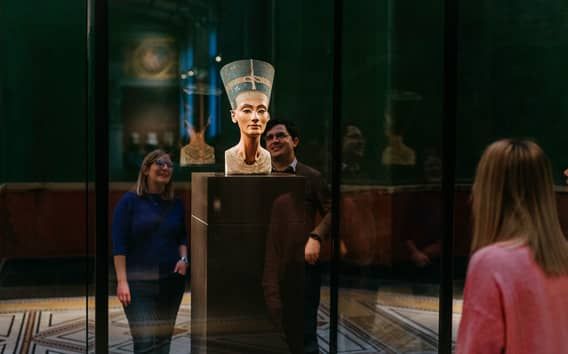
[391,216]
[401,111]
[353,153]
[197,151]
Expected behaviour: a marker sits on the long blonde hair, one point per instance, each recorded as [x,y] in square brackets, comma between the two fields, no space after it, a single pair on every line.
[514,200]
[142,182]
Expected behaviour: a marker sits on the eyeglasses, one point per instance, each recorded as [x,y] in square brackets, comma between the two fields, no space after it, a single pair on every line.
[270,137]
[164,163]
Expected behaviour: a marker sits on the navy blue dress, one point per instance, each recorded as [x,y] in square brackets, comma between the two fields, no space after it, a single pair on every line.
[148,231]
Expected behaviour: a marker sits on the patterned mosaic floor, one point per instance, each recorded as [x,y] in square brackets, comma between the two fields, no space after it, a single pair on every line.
[371,322]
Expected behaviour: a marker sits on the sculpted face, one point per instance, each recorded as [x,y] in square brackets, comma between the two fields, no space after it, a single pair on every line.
[251,113]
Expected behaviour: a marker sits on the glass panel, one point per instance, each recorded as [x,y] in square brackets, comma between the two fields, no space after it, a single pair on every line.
[511,85]
[391,226]
[303,97]
[247,283]
[44,247]
[150,44]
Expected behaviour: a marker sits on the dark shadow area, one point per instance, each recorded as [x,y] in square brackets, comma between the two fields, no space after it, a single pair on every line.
[46,277]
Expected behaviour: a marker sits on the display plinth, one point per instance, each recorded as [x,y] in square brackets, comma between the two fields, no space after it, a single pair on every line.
[247,245]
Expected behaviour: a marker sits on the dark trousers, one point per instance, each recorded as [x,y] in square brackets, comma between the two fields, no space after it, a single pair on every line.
[152,312]
[311,304]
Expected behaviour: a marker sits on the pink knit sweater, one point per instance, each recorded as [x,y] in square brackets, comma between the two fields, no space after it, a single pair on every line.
[511,306]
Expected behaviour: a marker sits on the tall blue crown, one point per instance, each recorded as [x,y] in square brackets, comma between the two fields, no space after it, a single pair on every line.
[247,75]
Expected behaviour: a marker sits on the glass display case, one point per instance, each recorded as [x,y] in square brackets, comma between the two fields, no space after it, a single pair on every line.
[46,204]
[380,139]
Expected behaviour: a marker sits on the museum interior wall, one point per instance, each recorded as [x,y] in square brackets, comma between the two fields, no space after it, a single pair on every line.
[163,72]
[43,105]
[387,48]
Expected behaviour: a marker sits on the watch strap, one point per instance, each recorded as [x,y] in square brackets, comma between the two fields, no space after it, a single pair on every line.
[315,237]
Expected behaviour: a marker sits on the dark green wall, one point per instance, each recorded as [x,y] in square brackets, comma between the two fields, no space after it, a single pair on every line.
[43,90]
[513,71]
[393,47]
[303,83]
[512,76]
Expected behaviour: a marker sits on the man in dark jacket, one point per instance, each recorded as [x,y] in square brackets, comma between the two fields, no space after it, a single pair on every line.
[281,138]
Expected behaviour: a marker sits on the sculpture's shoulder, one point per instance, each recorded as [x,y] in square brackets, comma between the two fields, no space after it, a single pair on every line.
[265,157]
[264,162]
[234,165]
[231,161]
[231,153]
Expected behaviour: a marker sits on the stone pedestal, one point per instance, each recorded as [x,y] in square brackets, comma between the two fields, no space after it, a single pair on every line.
[247,244]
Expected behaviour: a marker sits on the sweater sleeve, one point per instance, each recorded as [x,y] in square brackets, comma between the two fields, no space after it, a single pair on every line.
[482,327]
[121,222]
[323,206]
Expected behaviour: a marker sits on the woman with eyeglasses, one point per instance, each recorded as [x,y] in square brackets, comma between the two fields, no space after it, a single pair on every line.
[150,254]
[516,291]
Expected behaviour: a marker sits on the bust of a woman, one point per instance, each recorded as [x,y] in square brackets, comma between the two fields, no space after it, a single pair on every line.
[248,84]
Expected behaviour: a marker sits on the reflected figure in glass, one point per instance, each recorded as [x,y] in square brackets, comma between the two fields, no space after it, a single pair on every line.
[197,151]
[150,254]
[400,113]
[248,84]
[353,152]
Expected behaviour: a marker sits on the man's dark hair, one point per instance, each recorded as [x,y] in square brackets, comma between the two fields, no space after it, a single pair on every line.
[290,127]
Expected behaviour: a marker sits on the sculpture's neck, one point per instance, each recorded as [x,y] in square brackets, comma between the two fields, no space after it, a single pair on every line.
[250,148]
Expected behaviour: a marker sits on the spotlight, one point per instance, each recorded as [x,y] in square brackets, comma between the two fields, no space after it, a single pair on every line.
[218,58]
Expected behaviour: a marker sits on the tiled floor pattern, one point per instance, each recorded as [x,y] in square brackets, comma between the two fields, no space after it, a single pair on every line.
[370,322]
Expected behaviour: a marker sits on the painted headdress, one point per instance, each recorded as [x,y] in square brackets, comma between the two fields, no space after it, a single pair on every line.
[247,75]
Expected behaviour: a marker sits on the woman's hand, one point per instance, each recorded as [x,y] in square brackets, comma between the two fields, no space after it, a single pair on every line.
[181,267]
[123,293]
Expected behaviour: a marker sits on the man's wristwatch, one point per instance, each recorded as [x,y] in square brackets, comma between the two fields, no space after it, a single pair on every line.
[315,237]
[184,259]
